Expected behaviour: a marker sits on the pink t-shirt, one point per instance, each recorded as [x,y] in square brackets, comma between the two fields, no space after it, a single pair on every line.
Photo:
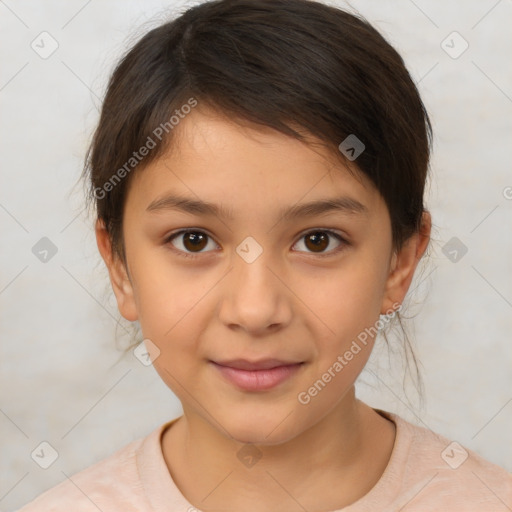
[426,472]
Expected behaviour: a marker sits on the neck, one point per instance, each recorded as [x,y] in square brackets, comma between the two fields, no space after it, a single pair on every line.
[341,457]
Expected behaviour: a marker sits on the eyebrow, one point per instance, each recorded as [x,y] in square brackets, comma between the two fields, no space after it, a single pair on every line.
[345,205]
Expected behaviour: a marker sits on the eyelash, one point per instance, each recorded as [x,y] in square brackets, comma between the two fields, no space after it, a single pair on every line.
[172,236]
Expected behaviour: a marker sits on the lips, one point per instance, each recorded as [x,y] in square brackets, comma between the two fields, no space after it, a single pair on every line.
[256,375]
[263,364]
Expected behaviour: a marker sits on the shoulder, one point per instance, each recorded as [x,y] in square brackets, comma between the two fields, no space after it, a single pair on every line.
[442,472]
[107,485]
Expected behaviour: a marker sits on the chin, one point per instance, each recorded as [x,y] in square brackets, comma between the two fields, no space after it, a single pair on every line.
[260,437]
[261,429]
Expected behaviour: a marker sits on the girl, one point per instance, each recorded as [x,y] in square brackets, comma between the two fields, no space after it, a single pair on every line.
[258,174]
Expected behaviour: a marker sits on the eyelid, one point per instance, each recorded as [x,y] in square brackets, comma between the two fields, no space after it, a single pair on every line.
[330,231]
[340,236]
[170,237]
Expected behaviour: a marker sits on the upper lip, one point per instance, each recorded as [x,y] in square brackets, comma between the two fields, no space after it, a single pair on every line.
[262,364]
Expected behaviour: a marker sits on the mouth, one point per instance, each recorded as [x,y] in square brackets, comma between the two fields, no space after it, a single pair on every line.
[257,375]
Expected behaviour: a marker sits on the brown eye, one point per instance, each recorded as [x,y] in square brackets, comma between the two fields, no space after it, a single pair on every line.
[318,241]
[189,242]
[194,241]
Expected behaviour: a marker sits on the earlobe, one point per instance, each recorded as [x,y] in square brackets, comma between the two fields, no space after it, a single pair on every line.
[121,284]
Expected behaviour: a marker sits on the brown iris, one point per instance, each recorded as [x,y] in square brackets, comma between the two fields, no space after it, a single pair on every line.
[193,240]
[318,241]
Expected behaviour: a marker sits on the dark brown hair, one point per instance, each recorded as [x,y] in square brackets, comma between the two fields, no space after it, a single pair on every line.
[283,64]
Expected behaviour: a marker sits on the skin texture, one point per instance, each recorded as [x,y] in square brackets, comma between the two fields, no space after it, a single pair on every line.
[290,303]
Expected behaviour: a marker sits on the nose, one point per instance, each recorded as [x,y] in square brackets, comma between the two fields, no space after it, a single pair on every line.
[254,298]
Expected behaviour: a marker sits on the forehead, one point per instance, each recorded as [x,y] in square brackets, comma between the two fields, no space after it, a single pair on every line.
[215,158]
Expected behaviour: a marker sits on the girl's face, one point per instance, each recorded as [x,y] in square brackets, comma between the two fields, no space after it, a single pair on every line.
[261,275]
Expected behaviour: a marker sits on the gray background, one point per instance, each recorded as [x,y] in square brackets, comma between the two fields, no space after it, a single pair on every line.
[62,379]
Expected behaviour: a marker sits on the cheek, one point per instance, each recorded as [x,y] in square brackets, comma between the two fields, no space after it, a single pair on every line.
[168,296]
[176,333]
[169,307]
[346,305]
[345,300]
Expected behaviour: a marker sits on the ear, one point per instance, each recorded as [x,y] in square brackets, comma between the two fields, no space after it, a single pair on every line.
[403,265]
[119,277]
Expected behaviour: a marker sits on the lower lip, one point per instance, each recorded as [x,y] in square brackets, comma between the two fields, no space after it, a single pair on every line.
[258,380]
